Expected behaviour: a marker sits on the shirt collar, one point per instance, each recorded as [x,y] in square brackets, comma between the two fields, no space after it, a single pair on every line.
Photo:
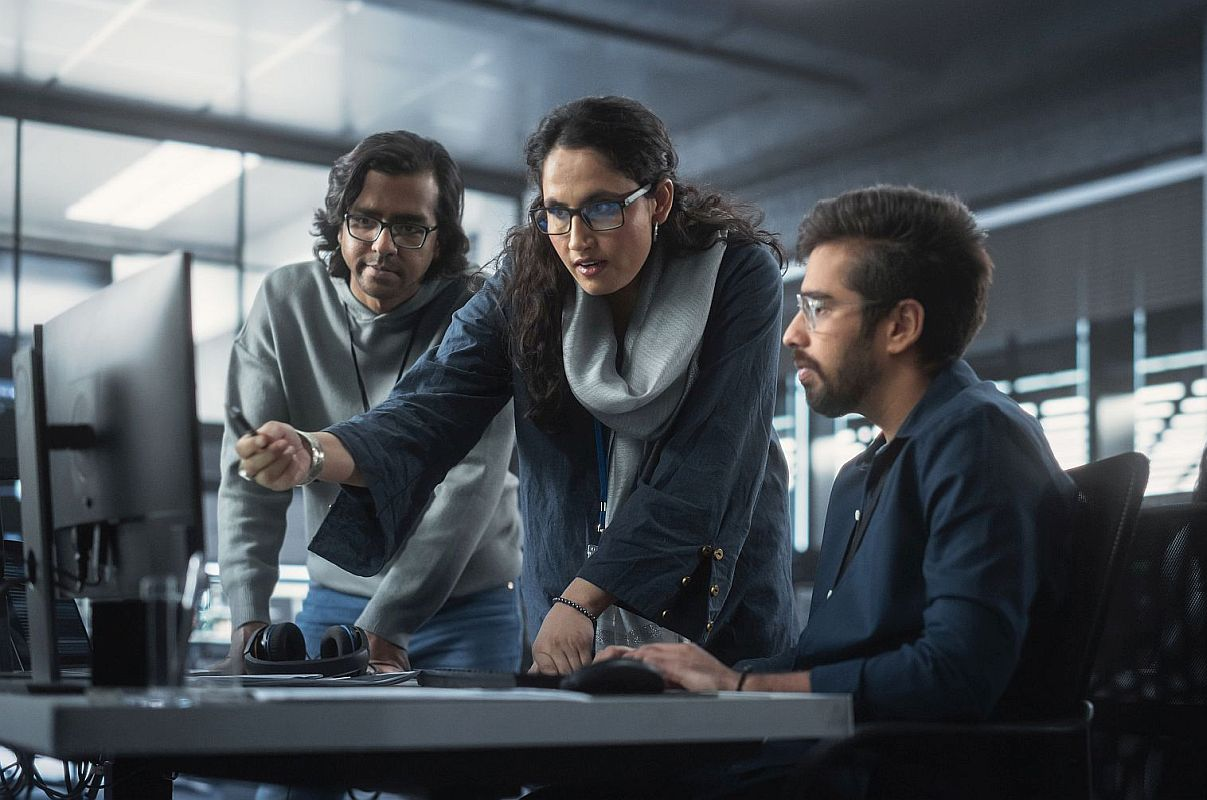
[946,384]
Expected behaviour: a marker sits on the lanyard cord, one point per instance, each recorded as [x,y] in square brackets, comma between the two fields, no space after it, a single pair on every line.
[601,463]
[360,381]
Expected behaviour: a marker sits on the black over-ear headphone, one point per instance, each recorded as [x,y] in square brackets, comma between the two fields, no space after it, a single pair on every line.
[280,649]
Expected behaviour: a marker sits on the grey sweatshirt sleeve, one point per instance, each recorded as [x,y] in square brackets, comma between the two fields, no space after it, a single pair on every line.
[467,506]
[251,519]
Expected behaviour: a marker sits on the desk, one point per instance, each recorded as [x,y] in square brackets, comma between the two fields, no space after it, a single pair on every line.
[407,737]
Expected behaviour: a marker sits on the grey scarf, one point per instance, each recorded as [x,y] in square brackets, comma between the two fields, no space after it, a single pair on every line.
[639,400]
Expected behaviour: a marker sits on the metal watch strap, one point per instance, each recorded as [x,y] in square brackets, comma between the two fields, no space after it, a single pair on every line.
[317,457]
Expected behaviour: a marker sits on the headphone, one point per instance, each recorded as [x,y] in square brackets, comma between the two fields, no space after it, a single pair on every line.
[280,649]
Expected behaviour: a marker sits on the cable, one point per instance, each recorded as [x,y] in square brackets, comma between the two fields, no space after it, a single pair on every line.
[79,778]
[13,778]
[92,785]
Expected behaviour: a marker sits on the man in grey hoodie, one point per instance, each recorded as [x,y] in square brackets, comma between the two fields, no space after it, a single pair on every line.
[326,340]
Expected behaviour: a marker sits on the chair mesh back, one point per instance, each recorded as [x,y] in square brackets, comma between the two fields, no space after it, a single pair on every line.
[1110,494]
[1154,646]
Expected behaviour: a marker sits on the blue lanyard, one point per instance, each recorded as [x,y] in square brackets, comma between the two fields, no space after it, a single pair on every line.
[601,462]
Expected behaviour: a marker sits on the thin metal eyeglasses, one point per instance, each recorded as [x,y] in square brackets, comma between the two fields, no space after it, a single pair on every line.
[604,215]
[406,235]
[814,308]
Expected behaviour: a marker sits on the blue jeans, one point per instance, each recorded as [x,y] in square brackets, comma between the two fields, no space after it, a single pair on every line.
[478,631]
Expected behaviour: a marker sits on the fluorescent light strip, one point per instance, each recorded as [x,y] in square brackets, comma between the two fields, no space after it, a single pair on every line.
[298,43]
[1187,360]
[1074,197]
[1092,193]
[100,37]
[170,178]
[291,47]
[1049,380]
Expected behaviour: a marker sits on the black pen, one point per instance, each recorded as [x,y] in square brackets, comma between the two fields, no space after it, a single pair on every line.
[238,421]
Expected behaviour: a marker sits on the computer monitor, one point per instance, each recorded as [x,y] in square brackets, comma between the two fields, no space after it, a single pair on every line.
[108,454]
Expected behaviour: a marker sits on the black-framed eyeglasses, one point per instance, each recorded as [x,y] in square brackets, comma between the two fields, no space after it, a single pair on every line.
[816,308]
[407,235]
[602,215]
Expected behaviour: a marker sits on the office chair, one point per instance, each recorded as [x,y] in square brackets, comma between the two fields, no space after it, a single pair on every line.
[1150,681]
[1026,758]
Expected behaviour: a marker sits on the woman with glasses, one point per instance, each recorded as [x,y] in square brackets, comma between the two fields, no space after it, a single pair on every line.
[635,321]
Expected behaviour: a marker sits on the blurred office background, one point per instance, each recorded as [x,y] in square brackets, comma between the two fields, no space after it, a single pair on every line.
[1074,128]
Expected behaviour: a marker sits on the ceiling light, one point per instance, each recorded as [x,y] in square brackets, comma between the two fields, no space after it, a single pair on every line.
[99,38]
[162,183]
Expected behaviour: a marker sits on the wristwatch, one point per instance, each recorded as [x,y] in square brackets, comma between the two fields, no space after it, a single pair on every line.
[317,457]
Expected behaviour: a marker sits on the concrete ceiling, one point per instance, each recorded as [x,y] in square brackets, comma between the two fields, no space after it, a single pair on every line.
[750,89]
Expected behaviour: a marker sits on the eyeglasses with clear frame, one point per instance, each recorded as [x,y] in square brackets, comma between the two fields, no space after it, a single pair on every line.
[816,308]
[602,215]
[406,235]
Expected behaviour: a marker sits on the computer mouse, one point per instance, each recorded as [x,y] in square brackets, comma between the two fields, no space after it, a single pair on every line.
[618,676]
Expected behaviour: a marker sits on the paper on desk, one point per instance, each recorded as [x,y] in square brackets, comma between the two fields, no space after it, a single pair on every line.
[306,679]
[423,693]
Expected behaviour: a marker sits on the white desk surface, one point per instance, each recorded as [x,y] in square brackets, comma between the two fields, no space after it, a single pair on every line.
[196,721]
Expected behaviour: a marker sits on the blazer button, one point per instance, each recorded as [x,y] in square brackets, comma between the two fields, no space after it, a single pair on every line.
[708,627]
[705,551]
[664,613]
[718,554]
[715,590]
[830,592]
[685,580]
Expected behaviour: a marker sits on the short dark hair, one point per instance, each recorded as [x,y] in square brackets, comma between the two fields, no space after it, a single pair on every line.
[911,244]
[395,153]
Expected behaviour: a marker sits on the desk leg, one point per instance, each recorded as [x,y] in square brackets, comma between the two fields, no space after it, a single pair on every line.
[131,779]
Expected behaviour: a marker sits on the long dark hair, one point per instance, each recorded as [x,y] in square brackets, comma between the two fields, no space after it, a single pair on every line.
[636,144]
[395,153]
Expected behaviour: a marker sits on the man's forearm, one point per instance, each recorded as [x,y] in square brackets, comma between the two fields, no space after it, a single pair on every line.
[777,682]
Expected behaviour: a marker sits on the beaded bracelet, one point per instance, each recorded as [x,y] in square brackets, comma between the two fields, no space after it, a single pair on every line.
[742,678]
[577,607]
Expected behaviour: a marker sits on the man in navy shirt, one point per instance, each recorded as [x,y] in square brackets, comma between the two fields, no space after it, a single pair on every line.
[945,541]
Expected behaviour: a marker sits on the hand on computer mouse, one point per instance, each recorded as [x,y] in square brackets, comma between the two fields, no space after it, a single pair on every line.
[612,651]
[687,666]
[615,676]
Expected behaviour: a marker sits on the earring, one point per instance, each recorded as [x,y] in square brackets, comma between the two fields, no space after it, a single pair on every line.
[655,231]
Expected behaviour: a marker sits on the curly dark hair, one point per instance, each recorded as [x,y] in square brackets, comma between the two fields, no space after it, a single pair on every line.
[395,153]
[633,140]
[912,244]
